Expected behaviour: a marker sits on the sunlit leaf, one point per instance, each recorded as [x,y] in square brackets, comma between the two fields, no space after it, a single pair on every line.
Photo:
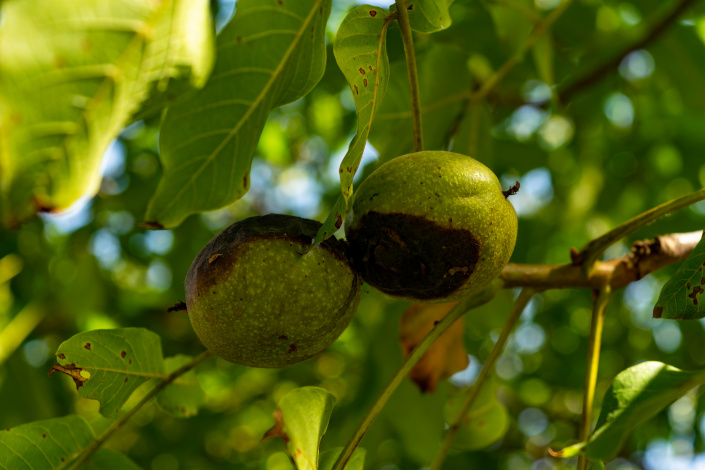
[445,357]
[301,419]
[444,85]
[329,457]
[636,395]
[681,297]
[71,74]
[108,365]
[332,223]
[270,54]
[183,54]
[543,58]
[428,16]
[183,397]
[486,422]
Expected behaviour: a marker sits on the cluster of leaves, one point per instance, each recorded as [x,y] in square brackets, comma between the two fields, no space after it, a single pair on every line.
[101,69]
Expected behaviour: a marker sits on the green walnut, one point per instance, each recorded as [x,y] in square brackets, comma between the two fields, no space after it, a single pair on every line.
[255,299]
[431,226]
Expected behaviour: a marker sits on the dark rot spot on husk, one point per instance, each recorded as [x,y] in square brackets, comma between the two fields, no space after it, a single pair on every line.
[411,256]
[62,356]
[292,348]
[87,346]
[373,13]
[283,337]
[123,354]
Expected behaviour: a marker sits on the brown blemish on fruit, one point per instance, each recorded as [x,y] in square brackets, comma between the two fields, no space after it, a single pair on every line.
[283,337]
[212,320]
[399,255]
[213,258]
[123,354]
[373,13]
[292,348]
[87,346]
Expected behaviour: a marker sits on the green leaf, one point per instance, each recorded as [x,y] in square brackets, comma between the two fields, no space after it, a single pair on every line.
[183,397]
[428,16]
[108,365]
[512,24]
[183,55]
[301,419]
[444,83]
[106,459]
[47,444]
[486,422]
[332,223]
[474,136]
[270,54]
[361,53]
[543,58]
[329,457]
[71,74]
[636,395]
[681,297]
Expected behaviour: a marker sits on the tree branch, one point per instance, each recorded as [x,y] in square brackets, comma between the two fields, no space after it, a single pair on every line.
[656,30]
[647,256]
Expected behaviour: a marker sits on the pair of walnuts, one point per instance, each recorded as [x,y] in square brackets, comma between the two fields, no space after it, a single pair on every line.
[429,226]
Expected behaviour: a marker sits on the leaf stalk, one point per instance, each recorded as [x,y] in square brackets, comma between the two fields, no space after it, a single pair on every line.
[410,54]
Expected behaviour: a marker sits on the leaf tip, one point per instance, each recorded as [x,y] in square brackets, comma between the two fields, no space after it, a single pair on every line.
[658,310]
[152,225]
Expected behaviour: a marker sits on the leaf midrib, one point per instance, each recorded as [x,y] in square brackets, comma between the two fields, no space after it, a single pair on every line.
[255,104]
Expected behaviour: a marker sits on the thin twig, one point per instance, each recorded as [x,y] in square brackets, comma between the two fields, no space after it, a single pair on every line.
[96,443]
[488,367]
[414,356]
[646,257]
[594,76]
[408,41]
[591,251]
[593,359]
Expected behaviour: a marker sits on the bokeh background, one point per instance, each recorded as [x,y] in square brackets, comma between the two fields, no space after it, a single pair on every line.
[633,139]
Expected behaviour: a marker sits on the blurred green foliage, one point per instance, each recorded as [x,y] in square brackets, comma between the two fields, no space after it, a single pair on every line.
[631,141]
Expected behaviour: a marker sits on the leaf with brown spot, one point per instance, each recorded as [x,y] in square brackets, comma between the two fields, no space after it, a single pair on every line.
[682,296]
[100,373]
[445,357]
[301,419]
